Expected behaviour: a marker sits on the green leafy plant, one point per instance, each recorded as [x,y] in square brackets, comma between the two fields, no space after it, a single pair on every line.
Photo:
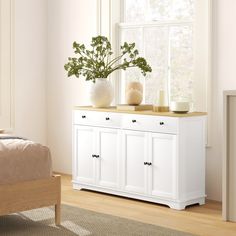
[98,63]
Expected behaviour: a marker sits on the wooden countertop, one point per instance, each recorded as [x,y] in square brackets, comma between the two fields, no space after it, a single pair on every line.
[152,113]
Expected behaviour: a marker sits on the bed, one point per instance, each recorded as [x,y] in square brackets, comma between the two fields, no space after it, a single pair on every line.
[26,179]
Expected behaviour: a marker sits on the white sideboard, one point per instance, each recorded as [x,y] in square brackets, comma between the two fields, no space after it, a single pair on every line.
[156,157]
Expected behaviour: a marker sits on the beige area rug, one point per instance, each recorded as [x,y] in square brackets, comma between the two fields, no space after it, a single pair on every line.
[77,221]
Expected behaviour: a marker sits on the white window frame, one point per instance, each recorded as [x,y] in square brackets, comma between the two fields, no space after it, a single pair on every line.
[202,65]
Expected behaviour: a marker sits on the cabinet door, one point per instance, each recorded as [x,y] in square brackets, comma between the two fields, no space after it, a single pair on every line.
[108,148]
[133,158]
[162,171]
[84,149]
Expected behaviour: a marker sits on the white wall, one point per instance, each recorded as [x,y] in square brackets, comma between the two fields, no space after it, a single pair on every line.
[30,22]
[68,20]
[224,78]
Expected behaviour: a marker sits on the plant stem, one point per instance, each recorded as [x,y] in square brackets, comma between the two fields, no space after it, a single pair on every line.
[119,67]
[112,62]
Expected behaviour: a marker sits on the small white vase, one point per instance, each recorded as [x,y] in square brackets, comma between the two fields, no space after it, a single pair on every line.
[101,93]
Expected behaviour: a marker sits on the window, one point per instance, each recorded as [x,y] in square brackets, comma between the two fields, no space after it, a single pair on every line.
[173,35]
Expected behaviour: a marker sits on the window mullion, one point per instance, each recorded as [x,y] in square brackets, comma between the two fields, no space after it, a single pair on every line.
[147,9]
[144,54]
[168,82]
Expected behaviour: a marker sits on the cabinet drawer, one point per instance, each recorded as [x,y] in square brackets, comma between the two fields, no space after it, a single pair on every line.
[103,119]
[108,119]
[83,118]
[160,124]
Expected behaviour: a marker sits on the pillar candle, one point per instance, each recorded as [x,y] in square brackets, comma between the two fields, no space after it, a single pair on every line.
[161,101]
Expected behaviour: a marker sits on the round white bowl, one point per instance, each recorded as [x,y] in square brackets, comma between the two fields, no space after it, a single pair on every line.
[180,107]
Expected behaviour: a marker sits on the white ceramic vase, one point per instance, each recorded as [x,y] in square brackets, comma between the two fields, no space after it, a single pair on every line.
[101,93]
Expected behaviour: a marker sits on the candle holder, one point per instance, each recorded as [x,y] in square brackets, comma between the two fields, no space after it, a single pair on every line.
[161,103]
[161,109]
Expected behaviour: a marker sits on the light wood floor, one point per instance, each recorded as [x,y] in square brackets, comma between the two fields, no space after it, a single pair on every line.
[200,220]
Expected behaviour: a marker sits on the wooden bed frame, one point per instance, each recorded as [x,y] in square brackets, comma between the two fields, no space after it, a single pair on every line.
[30,195]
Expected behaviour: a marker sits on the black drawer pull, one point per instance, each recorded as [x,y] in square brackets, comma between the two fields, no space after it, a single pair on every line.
[107,118]
[83,117]
[147,163]
[162,123]
[97,156]
[134,121]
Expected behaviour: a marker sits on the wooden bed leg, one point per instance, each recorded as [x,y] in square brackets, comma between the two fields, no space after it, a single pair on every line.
[58,202]
[58,214]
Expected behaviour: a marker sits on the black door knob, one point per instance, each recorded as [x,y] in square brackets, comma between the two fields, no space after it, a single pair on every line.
[83,117]
[134,121]
[107,118]
[149,163]
[162,123]
[145,163]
